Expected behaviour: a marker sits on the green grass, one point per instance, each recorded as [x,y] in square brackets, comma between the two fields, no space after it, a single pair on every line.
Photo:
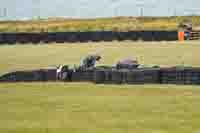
[113,24]
[20,57]
[89,108]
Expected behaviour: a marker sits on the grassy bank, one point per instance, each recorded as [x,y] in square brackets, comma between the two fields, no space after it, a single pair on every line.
[114,24]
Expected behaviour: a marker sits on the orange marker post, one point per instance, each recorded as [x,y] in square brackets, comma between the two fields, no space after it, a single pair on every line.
[181,35]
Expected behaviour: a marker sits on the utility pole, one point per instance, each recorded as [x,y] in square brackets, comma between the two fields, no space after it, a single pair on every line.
[5,12]
[175,12]
[1,12]
[141,9]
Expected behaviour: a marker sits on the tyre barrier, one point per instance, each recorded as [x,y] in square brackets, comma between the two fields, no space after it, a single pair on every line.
[133,36]
[49,37]
[10,38]
[61,37]
[180,76]
[96,36]
[142,76]
[72,37]
[184,76]
[21,76]
[172,76]
[30,76]
[99,76]
[110,77]
[146,35]
[192,76]
[82,76]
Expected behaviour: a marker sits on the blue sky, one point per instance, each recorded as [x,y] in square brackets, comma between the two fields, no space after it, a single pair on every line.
[28,9]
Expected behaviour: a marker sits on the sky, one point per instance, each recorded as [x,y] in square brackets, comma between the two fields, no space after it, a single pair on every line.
[32,9]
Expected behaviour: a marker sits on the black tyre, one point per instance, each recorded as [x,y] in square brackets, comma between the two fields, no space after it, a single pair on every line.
[99,76]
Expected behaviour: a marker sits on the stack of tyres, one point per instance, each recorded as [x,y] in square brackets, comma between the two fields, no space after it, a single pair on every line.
[121,36]
[172,76]
[1,38]
[50,74]
[96,36]
[60,37]
[22,38]
[108,36]
[48,37]
[146,35]
[82,76]
[165,35]
[102,74]
[72,36]
[99,76]
[116,77]
[152,76]
[172,36]
[85,36]
[142,76]
[108,76]
[30,38]
[10,38]
[134,77]
[159,36]
[24,76]
[192,76]
[133,35]
[36,37]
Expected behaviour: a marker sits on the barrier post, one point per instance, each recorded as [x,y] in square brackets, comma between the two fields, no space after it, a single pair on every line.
[181,35]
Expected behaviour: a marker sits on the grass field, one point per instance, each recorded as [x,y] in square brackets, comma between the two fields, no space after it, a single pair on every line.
[88,108]
[113,24]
